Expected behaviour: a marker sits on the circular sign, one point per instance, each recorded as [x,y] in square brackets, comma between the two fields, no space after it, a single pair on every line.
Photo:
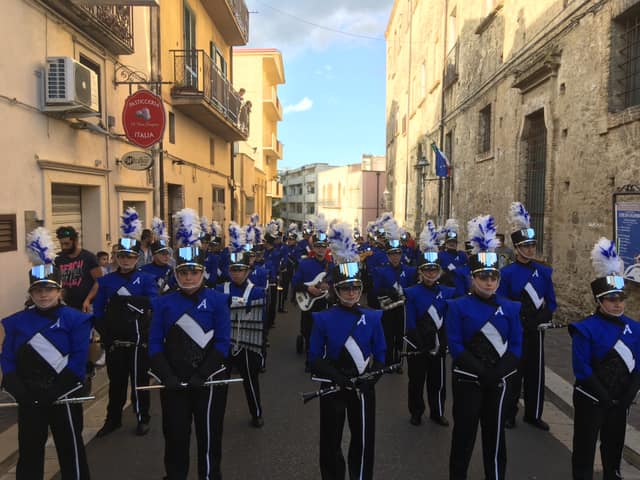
[143,118]
[137,160]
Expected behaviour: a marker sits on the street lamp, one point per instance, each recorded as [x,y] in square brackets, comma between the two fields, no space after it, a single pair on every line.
[421,165]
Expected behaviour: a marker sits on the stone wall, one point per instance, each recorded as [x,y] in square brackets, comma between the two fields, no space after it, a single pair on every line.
[551,58]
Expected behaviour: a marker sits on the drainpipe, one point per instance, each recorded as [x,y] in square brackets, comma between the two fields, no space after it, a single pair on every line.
[406,177]
[443,108]
[158,150]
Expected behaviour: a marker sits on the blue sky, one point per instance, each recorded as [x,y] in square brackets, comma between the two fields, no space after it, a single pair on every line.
[334,96]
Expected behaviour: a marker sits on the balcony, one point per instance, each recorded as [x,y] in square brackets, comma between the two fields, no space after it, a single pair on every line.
[109,25]
[271,104]
[231,18]
[274,189]
[201,92]
[451,71]
[274,149]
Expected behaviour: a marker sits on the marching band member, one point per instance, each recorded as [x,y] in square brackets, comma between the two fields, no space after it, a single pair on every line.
[272,259]
[529,282]
[44,353]
[287,266]
[410,254]
[160,267]
[389,283]
[376,258]
[312,279]
[122,312]
[188,342]
[303,248]
[346,341]
[248,310]
[217,257]
[425,330]
[258,275]
[606,364]
[451,258]
[485,340]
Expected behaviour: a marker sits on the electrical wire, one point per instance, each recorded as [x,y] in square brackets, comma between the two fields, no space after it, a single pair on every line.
[317,25]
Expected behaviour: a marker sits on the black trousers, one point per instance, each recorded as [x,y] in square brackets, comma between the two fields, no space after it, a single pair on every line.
[393,326]
[360,411]
[124,365]
[473,405]
[285,282]
[427,369]
[204,407]
[306,320]
[531,373]
[66,427]
[590,421]
[248,363]
[272,300]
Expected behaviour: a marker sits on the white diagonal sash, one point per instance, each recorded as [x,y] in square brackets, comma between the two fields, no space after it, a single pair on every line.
[533,295]
[435,316]
[49,352]
[194,330]
[494,337]
[123,292]
[356,354]
[626,355]
[451,267]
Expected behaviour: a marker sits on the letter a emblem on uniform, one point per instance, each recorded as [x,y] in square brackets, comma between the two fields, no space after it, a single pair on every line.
[626,330]
[362,321]
[203,305]
[439,295]
[535,273]
[499,311]
[136,281]
[56,325]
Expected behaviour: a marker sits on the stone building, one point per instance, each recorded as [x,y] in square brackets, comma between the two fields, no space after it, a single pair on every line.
[531,101]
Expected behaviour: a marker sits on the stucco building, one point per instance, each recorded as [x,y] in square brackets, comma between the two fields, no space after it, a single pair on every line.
[300,192]
[259,71]
[66,74]
[531,101]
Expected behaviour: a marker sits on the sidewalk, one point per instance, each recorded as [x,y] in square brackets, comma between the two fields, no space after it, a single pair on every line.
[559,387]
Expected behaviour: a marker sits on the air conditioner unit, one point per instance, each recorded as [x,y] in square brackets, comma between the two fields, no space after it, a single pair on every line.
[70,86]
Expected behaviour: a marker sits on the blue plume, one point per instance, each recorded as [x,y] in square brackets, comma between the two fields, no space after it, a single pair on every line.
[482,233]
[40,247]
[605,259]
[131,226]
[518,216]
[159,228]
[237,238]
[429,237]
[343,248]
[187,228]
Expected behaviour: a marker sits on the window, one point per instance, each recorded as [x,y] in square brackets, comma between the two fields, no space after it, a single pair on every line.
[96,68]
[311,209]
[625,61]
[484,130]
[212,152]
[311,187]
[535,162]
[172,127]
[8,233]
[218,195]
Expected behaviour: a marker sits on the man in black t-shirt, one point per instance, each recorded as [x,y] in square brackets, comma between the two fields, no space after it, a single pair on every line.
[78,268]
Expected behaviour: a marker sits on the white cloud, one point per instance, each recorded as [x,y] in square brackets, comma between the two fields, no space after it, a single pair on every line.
[272,24]
[302,106]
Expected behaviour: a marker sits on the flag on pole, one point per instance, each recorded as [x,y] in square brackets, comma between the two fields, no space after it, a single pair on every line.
[443,167]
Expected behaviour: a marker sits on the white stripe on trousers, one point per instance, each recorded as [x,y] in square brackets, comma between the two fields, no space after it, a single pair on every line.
[495,458]
[255,400]
[540,367]
[75,444]
[208,474]
[134,382]
[364,431]
[440,409]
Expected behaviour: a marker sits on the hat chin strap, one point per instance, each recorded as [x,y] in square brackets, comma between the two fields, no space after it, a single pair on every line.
[599,301]
[519,251]
[345,302]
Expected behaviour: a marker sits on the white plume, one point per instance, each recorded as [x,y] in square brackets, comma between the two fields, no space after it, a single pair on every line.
[187,228]
[429,238]
[482,233]
[321,224]
[605,259]
[40,247]
[343,248]
[518,216]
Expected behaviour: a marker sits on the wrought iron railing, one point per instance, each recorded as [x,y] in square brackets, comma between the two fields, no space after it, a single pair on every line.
[110,25]
[195,73]
[451,68]
[241,13]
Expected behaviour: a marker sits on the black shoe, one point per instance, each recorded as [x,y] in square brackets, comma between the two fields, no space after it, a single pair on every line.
[257,422]
[538,423]
[442,421]
[142,429]
[108,428]
[510,423]
[415,420]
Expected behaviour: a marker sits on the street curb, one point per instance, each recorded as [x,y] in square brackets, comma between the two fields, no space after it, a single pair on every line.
[560,393]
